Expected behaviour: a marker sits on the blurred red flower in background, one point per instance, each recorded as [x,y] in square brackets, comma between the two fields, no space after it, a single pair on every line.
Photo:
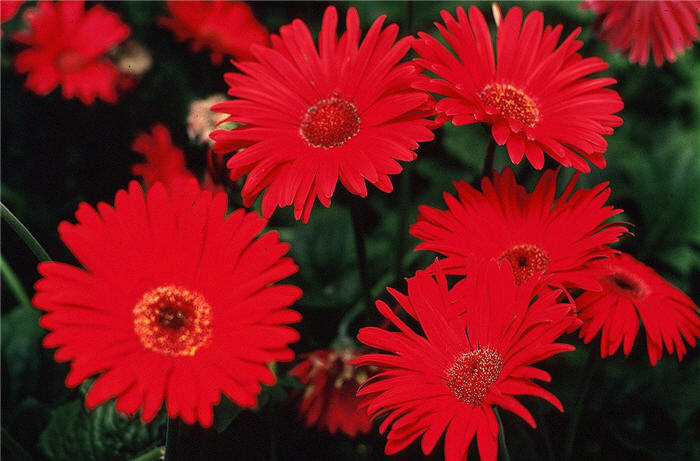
[227,29]
[67,47]
[329,400]
[176,303]
[310,118]
[663,28]
[632,292]
[533,95]
[9,8]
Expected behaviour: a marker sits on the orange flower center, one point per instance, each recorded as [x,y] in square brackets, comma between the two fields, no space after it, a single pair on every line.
[69,61]
[627,285]
[526,261]
[511,103]
[330,123]
[173,321]
[473,373]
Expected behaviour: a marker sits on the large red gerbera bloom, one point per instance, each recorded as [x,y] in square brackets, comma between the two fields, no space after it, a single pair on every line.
[534,95]
[633,292]
[164,161]
[67,48]
[535,232]
[225,28]
[311,118]
[663,28]
[329,400]
[176,303]
[449,378]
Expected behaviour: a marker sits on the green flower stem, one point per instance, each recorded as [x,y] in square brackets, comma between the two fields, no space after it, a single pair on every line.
[347,319]
[24,234]
[151,455]
[582,392]
[13,283]
[488,159]
[12,449]
[402,228]
[172,434]
[357,212]
[503,454]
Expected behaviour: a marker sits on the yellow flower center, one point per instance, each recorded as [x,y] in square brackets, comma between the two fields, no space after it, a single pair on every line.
[511,103]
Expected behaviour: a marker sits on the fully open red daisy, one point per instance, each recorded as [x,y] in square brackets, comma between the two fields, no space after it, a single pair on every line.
[632,292]
[165,162]
[639,28]
[534,95]
[448,379]
[227,29]
[329,400]
[535,232]
[177,303]
[67,48]
[310,118]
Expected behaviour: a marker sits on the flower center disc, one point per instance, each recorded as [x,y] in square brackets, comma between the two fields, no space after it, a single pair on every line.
[330,123]
[173,321]
[627,285]
[473,373]
[526,261]
[69,61]
[511,103]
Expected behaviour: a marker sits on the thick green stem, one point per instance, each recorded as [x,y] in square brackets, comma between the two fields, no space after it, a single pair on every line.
[584,385]
[503,454]
[24,234]
[13,283]
[347,319]
[357,212]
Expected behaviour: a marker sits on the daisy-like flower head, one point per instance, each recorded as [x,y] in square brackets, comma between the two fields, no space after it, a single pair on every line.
[227,29]
[537,233]
[447,379]
[639,28]
[67,47]
[177,303]
[631,292]
[312,117]
[164,161]
[328,401]
[533,93]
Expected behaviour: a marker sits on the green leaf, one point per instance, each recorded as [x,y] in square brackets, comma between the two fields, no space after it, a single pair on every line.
[21,348]
[102,434]
[224,414]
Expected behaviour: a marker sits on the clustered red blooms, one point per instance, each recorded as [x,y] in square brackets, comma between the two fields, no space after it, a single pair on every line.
[171,284]
[664,28]
[67,47]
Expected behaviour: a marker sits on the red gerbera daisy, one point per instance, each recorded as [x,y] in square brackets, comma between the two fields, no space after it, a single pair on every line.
[329,400]
[449,378]
[67,47]
[309,118]
[9,8]
[164,161]
[535,232]
[173,287]
[534,95]
[225,28]
[638,28]
[633,291]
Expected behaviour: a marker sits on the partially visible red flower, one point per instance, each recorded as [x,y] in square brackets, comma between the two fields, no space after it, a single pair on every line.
[664,28]
[176,303]
[164,161]
[68,47]
[537,233]
[632,292]
[532,93]
[312,117]
[329,401]
[225,28]
[448,379]
[9,8]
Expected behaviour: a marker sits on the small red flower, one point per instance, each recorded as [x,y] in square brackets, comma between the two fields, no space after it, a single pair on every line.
[535,232]
[310,118]
[68,47]
[225,28]
[448,379]
[329,400]
[664,28]
[534,96]
[176,303]
[634,292]
[164,161]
